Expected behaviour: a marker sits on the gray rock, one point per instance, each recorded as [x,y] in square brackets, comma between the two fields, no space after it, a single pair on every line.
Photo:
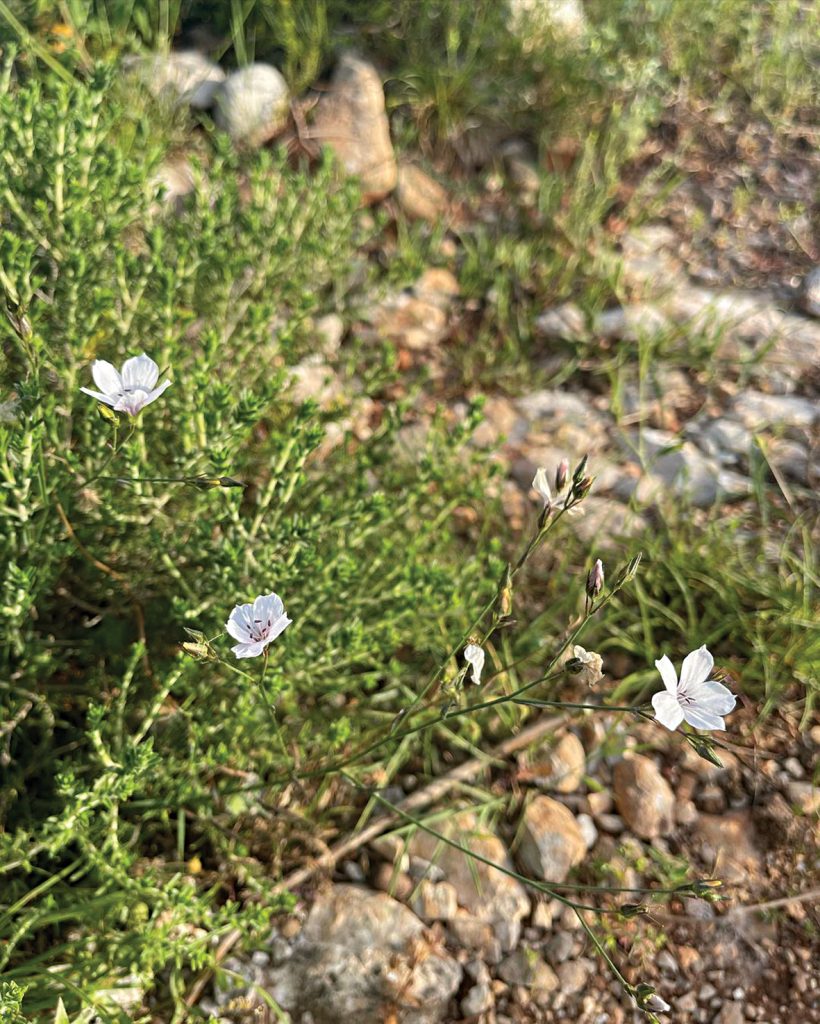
[725,439]
[563,323]
[588,830]
[252,105]
[550,843]
[486,894]
[631,323]
[330,330]
[479,998]
[351,120]
[363,956]
[185,76]
[572,976]
[756,410]
[475,935]
[435,901]
[643,797]
[526,967]
[560,947]
[810,293]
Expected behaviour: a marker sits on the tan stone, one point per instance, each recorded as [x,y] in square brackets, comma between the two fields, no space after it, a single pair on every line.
[420,196]
[550,841]
[643,797]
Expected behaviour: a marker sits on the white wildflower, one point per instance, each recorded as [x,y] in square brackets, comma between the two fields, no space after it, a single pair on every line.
[694,698]
[541,485]
[130,390]
[256,625]
[474,656]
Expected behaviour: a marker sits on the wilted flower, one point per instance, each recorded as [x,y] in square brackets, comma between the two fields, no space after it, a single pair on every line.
[256,625]
[132,389]
[595,579]
[587,665]
[694,697]
[474,656]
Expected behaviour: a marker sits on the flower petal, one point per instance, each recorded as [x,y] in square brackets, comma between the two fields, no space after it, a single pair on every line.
[668,674]
[132,402]
[713,697]
[279,626]
[154,395]
[106,377]
[140,372]
[541,484]
[699,718]
[249,650]
[100,397]
[237,625]
[474,656]
[696,668]
[667,710]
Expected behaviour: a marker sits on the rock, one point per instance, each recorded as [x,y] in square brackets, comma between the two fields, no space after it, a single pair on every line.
[480,997]
[642,320]
[561,768]
[396,883]
[364,956]
[756,410]
[538,21]
[351,120]
[588,830]
[434,901]
[605,523]
[725,440]
[612,824]
[185,76]
[559,947]
[488,895]
[648,257]
[804,796]
[475,935]
[177,180]
[314,379]
[726,844]
[563,323]
[252,105]
[526,967]
[550,843]
[730,1013]
[572,976]
[810,293]
[420,196]
[437,285]
[643,797]
[330,330]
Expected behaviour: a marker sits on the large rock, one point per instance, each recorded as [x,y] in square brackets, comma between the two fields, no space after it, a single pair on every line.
[550,841]
[488,895]
[643,797]
[252,105]
[185,77]
[351,120]
[364,957]
[560,768]
[420,196]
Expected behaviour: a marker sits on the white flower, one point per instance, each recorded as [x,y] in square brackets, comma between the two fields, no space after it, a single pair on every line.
[256,625]
[541,484]
[131,390]
[474,656]
[694,698]
[655,1004]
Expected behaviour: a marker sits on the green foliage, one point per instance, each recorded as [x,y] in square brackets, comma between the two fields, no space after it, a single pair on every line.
[125,760]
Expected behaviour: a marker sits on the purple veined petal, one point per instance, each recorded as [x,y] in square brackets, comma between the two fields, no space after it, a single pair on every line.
[699,718]
[106,377]
[667,710]
[249,650]
[713,697]
[140,372]
[107,399]
[279,626]
[237,625]
[668,674]
[696,668]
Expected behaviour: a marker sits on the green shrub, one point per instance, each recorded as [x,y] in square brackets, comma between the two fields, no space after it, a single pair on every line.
[124,760]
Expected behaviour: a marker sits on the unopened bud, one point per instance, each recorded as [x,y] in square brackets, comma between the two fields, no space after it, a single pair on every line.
[561,475]
[544,515]
[205,483]
[583,487]
[580,469]
[595,580]
[505,603]
[707,889]
[107,413]
[704,748]
[648,999]
[628,910]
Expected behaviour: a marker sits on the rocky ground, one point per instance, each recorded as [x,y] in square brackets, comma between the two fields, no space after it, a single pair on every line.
[408,930]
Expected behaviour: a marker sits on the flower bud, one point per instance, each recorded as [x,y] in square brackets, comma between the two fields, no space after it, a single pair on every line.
[595,580]
[583,487]
[561,475]
[628,910]
[580,469]
[648,999]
